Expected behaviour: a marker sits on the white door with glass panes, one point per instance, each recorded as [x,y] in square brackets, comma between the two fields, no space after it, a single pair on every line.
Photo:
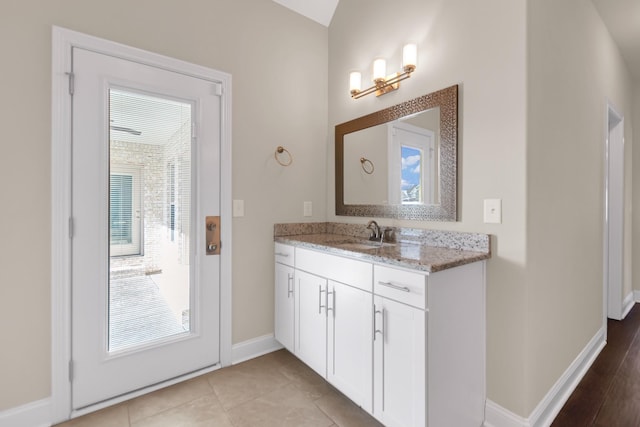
[145,174]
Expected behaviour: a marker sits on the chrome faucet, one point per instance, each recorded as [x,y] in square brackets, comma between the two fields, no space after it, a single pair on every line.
[375,230]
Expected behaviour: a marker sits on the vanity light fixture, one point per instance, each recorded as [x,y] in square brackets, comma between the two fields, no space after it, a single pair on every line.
[382,82]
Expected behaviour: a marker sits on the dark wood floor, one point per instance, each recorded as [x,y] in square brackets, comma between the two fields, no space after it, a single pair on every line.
[609,394]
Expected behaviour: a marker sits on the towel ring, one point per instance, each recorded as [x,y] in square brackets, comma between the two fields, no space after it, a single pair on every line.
[281,150]
[367,165]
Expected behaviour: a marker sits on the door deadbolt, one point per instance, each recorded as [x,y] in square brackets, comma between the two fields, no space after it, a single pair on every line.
[212,235]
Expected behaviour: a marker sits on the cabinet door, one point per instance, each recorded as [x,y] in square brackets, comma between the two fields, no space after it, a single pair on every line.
[311,321]
[350,350]
[284,306]
[399,364]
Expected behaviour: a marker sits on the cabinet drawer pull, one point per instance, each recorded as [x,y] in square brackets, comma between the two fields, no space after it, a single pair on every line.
[282,254]
[394,286]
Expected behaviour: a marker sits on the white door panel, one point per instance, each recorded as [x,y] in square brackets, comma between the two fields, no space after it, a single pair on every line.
[350,350]
[311,321]
[99,373]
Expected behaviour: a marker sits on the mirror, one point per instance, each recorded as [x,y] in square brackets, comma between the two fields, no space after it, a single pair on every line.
[400,162]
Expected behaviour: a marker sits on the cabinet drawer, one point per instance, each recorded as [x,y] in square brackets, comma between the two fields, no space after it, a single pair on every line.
[350,271]
[399,285]
[284,254]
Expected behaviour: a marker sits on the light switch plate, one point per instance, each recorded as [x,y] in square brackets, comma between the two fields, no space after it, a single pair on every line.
[493,211]
[238,208]
[308,209]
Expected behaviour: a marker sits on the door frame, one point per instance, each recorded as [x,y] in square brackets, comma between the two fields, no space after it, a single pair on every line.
[63,40]
[613,306]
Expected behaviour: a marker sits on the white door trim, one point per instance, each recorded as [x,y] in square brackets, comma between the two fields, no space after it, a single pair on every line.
[612,292]
[62,42]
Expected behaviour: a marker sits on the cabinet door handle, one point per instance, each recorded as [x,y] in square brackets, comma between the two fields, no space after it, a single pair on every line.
[333,303]
[375,328]
[394,286]
[282,254]
[320,306]
[289,285]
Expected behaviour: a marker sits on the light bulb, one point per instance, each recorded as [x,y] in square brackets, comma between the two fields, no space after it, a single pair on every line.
[355,82]
[409,57]
[379,70]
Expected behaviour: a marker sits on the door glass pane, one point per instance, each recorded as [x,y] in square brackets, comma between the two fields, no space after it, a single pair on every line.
[121,209]
[150,201]
[411,183]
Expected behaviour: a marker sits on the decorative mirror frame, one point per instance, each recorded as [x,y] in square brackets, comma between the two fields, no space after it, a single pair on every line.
[447,100]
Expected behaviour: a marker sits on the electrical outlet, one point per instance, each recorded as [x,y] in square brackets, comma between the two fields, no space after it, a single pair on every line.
[307,209]
[238,208]
[493,211]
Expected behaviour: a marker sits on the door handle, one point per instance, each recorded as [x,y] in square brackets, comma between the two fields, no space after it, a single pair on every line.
[332,308]
[320,305]
[289,285]
[375,328]
[212,235]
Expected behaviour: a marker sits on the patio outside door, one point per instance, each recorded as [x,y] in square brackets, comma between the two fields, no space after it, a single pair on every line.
[145,174]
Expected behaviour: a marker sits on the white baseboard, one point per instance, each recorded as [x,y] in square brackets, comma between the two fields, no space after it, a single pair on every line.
[497,416]
[636,296]
[253,348]
[544,414]
[34,414]
[628,303]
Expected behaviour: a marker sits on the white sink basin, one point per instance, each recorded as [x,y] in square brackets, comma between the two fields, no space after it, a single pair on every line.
[363,245]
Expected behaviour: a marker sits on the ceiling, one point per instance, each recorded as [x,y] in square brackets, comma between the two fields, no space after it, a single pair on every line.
[622,18]
[320,11]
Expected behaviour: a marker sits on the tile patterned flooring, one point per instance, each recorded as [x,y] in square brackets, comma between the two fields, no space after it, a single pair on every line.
[272,390]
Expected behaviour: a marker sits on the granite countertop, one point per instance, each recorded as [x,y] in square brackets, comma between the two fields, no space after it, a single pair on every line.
[424,250]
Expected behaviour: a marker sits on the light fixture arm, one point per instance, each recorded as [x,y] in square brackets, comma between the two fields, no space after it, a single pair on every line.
[383,86]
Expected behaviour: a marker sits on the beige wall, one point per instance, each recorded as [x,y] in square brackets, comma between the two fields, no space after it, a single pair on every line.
[574,67]
[278,61]
[481,47]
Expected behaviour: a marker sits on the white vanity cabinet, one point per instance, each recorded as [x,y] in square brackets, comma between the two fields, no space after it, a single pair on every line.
[407,346]
[284,295]
[429,353]
[400,347]
[333,321]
